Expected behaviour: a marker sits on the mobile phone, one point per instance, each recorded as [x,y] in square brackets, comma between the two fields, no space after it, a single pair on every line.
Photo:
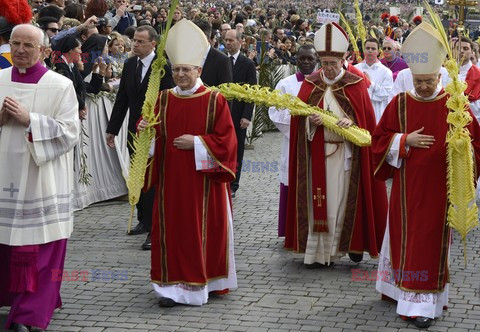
[250,48]
[137,8]
[265,46]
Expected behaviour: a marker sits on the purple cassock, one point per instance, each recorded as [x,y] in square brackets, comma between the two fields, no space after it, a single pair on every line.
[395,66]
[27,282]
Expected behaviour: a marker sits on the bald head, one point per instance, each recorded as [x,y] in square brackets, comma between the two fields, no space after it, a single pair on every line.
[26,42]
[30,30]
[233,41]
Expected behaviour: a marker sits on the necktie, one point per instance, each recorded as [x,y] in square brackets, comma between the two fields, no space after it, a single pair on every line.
[138,72]
[232,58]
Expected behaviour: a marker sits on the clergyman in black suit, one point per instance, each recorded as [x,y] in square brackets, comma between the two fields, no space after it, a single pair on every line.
[217,68]
[130,96]
[244,71]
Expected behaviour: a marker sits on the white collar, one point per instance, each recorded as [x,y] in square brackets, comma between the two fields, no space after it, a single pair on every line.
[235,56]
[69,64]
[373,65]
[339,76]
[188,92]
[433,96]
[146,61]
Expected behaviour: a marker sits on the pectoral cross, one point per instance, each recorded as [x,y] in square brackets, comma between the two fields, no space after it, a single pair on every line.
[318,197]
[11,190]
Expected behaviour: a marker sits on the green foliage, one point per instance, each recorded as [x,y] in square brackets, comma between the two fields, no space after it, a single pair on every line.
[269,75]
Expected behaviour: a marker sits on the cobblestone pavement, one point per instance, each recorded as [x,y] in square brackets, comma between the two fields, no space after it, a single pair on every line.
[276,292]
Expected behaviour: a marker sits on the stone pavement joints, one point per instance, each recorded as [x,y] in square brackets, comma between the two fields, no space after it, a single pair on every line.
[276,293]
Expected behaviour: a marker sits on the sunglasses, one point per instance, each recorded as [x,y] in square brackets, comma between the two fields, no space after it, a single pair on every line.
[387,48]
[55,30]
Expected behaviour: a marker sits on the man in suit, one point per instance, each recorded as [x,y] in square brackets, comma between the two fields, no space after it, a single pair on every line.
[130,96]
[243,72]
[217,68]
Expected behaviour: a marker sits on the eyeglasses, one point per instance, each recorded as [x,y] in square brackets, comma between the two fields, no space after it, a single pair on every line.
[386,48]
[54,30]
[27,46]
[177,70]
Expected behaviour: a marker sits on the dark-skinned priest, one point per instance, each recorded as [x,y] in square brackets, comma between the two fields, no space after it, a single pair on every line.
[193,163]
[409,145]
[336,206]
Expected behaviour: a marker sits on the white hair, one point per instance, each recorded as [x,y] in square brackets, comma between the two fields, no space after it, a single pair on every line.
[46,39]
[38,31]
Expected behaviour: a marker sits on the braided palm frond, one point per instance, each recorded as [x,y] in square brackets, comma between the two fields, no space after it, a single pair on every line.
[266,96]
[462,213]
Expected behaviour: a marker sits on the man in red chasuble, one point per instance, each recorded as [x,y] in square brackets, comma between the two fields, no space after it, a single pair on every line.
[337,207]
[193,164]
[409,146]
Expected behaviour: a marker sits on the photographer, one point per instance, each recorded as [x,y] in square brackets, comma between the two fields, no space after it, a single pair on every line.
[120,18]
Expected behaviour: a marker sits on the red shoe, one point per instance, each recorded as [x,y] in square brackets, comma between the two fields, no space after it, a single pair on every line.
[220,292]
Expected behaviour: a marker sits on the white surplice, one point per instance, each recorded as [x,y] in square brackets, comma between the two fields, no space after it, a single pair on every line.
[474,105]
[323,247]
[281,120]
[381,79]
[36,178]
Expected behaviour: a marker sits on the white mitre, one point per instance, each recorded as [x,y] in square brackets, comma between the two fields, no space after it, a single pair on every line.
[331,40]
[186,44]
[423,50]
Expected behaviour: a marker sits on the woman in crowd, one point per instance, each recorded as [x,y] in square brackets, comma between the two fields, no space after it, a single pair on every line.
[116,49]
[66,60]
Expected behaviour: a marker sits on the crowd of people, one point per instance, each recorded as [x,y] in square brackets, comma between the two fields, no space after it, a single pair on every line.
[72,70]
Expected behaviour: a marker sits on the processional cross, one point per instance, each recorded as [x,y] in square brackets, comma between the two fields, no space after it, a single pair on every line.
[461,5]
[318,197]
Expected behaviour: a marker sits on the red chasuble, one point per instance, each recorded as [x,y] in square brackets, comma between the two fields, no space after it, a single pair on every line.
[473,83]
[366,210]
[190,225]
[419,236]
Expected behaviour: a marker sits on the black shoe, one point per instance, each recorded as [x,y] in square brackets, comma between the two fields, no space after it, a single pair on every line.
[233,194]
[147,245]
[166,302]
[422,322]
[139,229]
[357,258]
[318,265]
[20,328]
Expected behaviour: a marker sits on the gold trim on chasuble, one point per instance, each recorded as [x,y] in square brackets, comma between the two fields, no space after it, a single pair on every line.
[210,124]
[161,201]
[355,173]
[302,194]
[443,266]
[315,97]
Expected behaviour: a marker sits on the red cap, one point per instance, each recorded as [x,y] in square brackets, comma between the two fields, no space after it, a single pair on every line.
[15,11]
[393,19]
[384,16]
